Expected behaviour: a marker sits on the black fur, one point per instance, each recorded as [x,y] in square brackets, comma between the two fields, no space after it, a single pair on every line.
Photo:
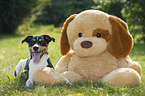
[25,74]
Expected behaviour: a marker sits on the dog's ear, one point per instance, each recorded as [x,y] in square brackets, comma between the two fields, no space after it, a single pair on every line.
[121,42]
[64,44]
[48,38]
[27,39]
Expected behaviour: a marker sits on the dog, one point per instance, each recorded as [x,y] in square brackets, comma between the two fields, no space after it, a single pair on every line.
[39,58]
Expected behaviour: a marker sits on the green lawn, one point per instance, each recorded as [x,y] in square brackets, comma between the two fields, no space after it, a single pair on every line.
[11,51]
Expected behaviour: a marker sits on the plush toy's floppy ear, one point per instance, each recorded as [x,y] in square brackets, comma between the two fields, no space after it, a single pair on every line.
[121,42]
[27,39]
[64,44]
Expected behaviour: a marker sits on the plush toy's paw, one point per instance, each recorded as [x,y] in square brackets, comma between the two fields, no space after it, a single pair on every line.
[136,66]
[73,77]
[29,83]
[123,77]
[48,76]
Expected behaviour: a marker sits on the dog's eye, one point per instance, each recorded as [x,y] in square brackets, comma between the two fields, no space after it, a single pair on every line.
[42,43]
[80,34]
[98,35]
[32,43]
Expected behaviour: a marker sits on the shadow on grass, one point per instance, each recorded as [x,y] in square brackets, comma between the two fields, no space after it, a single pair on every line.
[9,36]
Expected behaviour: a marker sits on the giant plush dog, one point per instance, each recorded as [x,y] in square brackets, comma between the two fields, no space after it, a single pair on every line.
[101,44]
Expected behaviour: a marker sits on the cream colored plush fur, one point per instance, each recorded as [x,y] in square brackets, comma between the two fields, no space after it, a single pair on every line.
[98,62]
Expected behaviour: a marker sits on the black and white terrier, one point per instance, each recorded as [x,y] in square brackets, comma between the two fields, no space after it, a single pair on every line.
[38,46]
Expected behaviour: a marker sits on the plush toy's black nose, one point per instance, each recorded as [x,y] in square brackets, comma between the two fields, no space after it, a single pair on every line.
[86,44]
[35,48]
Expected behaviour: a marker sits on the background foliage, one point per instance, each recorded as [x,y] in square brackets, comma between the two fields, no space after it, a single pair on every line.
[14,12]
[56,11]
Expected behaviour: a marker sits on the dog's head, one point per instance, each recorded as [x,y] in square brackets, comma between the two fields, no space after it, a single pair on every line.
[38,45]
[92,32]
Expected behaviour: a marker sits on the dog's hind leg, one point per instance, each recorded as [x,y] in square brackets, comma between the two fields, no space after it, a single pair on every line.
[18,68]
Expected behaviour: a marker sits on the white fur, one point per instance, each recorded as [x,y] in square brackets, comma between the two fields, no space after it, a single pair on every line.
[33,67]
[18,69]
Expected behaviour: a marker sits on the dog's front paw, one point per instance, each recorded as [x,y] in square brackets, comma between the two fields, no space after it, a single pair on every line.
[29,83]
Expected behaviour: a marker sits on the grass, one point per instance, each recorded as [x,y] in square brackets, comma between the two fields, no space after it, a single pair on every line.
[11,51]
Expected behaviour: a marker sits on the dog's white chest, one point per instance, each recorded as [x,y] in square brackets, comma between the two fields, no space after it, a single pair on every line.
[37,66]
[33,67]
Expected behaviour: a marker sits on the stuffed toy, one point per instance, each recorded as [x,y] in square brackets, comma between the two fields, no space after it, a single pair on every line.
[95,47]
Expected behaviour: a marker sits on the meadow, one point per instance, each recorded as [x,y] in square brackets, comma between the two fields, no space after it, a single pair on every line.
[11,51]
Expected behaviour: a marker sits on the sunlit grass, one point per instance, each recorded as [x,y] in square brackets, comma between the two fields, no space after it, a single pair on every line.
[11,51]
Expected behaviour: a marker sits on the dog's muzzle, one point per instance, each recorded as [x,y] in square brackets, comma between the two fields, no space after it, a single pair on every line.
[35,48]
[37,53]
[86,44]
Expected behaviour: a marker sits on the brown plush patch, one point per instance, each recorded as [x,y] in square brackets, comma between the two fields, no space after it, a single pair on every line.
[122,23]
[104,34]
[64,44]
[121,42]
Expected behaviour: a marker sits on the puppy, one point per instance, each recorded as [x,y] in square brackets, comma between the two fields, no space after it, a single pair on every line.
[39,58]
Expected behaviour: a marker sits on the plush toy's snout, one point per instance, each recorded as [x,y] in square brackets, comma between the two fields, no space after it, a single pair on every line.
[86,44]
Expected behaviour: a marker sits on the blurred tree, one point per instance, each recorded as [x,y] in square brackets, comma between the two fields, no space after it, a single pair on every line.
[132,11]
[12,13]
[112,7]
[56,11]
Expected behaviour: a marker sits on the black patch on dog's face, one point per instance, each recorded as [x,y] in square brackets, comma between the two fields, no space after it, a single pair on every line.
[42,40]
[39,40]
[38,44]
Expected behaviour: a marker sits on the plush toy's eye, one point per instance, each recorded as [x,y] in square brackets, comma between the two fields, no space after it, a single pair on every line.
[98,35]
[80,34]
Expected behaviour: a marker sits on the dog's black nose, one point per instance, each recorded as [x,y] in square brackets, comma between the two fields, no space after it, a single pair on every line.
[35,48]
[86,44]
